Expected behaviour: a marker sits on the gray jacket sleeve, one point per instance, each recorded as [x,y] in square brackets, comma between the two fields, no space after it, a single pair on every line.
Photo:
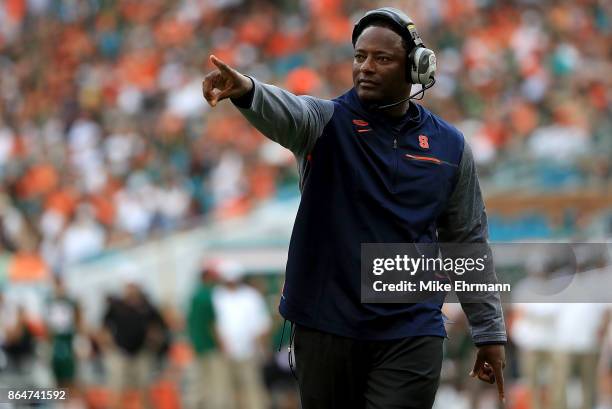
[465,221]
[293,121]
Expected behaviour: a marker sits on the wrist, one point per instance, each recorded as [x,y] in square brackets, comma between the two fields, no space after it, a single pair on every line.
[245,87]
[245,99]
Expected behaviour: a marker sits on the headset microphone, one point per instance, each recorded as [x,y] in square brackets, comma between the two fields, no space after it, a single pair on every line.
[421,91]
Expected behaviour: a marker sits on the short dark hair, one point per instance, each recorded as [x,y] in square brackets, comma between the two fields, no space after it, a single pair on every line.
[382,22]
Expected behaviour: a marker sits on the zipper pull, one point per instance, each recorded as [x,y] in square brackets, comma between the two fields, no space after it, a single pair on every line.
[395,144]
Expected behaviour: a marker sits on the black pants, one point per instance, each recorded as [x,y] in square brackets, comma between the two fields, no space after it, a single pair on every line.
[335,372]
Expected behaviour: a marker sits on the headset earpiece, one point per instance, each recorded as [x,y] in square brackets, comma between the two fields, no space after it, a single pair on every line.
[422,65]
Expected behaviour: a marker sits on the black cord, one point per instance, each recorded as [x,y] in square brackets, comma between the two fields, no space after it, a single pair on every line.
[423,89]
[292,349]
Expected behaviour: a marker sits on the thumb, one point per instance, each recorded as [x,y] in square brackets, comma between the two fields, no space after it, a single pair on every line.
[477,366]
[224,94]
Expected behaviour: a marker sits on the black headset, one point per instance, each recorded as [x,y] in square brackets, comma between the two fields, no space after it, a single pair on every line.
[420,61]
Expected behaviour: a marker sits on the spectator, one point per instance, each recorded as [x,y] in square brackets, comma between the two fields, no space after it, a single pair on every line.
[580,333]
[243,322]
[207,389]
[17,340]
[132,326]
[83,237]
[7,312]
[63,323]
[534,333]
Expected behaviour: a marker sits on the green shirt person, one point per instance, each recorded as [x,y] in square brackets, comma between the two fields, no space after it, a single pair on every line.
[211,385]
[201,320]
[63,323]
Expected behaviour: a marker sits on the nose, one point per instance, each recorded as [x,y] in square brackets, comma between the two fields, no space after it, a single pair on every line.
[367,65]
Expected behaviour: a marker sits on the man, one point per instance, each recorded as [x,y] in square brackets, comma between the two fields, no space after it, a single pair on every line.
[63,322]
[201,321]
[132,335]
[374,168]
[17,344]
[243,324]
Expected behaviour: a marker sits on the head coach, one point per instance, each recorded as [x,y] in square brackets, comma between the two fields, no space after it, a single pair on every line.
[374,167]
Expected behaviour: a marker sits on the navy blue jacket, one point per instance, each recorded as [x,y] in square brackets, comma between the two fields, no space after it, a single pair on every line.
[368,179]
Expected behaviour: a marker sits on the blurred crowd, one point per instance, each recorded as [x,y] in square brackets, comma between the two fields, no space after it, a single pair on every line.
[105,138]
[227,349]
[217,353]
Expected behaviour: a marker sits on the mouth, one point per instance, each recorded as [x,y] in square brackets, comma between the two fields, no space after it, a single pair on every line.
[367,83]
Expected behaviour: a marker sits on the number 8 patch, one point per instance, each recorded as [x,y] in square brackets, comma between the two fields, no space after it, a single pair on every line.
[423,142]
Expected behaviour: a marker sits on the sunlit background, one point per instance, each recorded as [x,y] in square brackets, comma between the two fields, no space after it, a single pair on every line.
[119,179]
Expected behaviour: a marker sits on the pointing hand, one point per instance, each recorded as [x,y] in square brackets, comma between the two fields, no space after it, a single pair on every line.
[224,82]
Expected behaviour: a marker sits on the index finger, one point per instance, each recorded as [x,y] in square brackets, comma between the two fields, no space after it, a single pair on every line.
[220,64]
[499,379]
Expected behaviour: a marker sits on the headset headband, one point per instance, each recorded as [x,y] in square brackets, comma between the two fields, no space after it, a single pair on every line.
[394,16]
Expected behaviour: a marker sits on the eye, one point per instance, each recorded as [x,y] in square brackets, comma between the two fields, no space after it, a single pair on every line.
[384,59]
[359,57]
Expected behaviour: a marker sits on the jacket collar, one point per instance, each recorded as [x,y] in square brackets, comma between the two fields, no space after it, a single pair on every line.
[415,115]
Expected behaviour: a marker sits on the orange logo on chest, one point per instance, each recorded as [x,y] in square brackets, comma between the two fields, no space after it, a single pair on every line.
[424,141]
